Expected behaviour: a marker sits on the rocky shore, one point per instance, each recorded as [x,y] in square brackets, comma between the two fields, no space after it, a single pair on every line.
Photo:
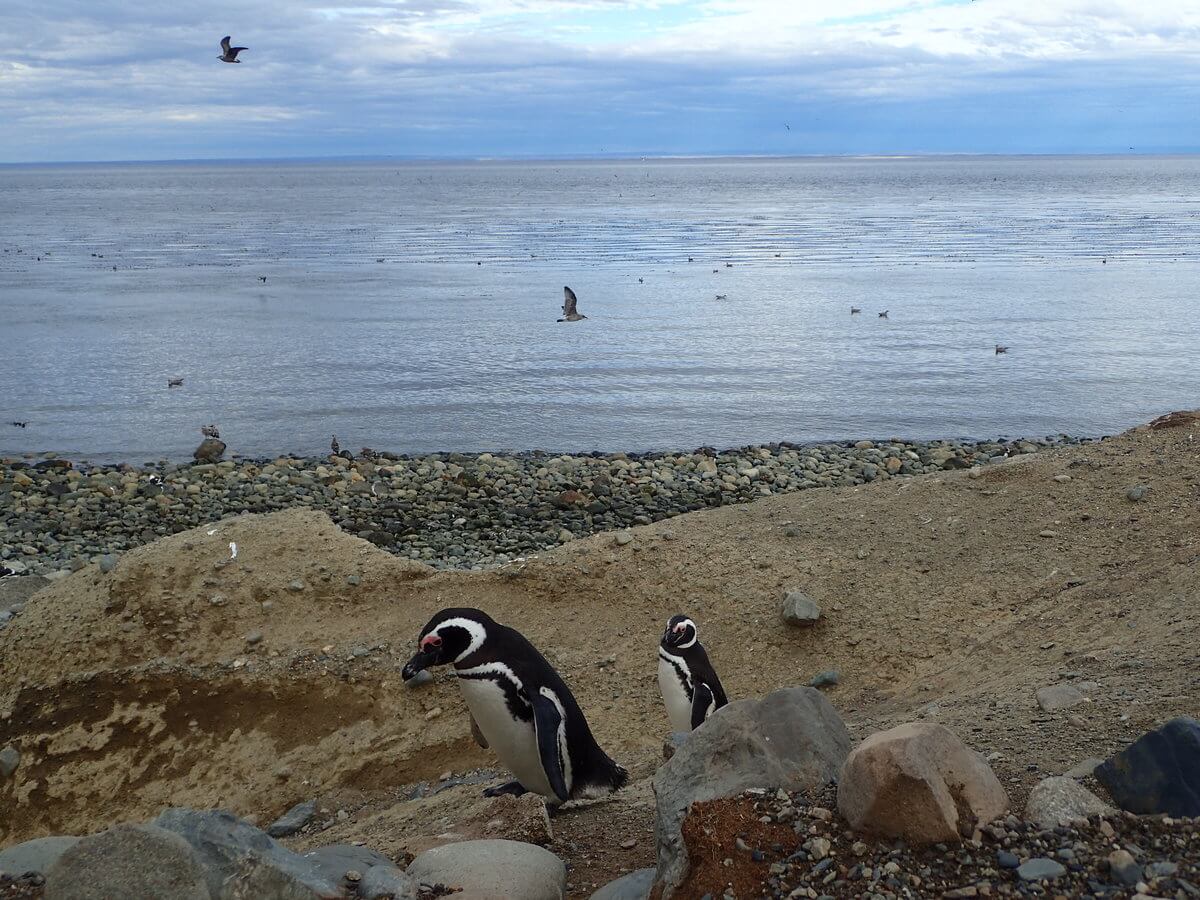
[447,510]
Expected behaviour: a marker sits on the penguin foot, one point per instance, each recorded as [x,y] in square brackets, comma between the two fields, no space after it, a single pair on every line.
[509,787]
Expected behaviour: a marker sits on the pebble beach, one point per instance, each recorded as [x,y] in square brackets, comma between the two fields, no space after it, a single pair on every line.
[448,510]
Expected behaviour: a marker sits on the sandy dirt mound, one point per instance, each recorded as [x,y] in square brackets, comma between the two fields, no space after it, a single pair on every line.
[185,677]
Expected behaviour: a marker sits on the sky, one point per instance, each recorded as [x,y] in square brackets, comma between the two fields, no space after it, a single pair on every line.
[140,79]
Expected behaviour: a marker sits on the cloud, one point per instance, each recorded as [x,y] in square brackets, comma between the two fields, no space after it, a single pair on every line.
[486,77]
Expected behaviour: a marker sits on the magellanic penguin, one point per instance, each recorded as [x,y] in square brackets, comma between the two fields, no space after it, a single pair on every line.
[520,707]
[689,684]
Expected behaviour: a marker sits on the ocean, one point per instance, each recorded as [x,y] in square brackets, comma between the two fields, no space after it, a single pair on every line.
[411,306]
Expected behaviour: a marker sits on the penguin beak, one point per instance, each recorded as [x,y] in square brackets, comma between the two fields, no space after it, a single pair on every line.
[421,661]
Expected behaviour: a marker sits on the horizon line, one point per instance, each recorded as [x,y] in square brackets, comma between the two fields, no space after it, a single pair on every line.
[595,157]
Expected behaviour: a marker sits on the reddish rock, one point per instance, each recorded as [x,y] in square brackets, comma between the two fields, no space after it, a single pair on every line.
[918,782]
[567,499]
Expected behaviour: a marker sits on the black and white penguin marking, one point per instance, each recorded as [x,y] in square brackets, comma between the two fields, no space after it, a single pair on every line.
[520,707]
[689,684]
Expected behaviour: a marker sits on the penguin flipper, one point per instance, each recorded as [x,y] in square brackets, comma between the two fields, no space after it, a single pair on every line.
[546,722]
[476,733]
[702,699]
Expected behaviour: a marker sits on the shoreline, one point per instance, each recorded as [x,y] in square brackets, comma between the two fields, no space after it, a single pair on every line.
[448,510]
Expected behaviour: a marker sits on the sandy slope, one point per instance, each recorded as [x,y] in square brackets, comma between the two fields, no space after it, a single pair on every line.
[949,596]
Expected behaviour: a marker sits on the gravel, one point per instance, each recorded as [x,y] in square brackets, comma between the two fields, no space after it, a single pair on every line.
[449,510]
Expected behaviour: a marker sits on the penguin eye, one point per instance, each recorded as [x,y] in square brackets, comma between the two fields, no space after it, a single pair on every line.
[432,640]
[679,628]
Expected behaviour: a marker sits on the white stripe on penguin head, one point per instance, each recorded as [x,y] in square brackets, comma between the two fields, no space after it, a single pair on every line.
[477,632]
[685,624]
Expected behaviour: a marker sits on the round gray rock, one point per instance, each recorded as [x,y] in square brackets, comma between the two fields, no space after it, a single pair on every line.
[38,855]
[380,882]
[141,861]
[1060,799]
[799,609]
[493,870]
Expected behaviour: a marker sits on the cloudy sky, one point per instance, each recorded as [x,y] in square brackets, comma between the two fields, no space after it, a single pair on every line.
[139,79]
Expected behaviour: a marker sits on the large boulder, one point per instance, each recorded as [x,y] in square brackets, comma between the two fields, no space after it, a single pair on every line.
[128,861]
[381,882]
[1060,799]
[791,739]
[210,450]
[1159,772]
[234,851]
[918,782]
[37,855]
[493,870]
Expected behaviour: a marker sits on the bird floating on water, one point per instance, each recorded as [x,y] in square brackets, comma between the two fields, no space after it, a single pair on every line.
[722,296]
[210,431]
[690,259]
[19,424]
[229,54]
[854,310]
[334,446]
[641,281]
[729,265]
[174,382]
[262,278]
[883,315]
[1001,348]
[570,312]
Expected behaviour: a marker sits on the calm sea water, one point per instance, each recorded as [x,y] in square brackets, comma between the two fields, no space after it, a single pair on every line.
[411,306]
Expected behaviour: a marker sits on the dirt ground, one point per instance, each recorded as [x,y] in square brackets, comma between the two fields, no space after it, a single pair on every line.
[951,598]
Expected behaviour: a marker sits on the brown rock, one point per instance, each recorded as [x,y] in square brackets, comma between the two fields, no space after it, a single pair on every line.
[918,782]
[210,450]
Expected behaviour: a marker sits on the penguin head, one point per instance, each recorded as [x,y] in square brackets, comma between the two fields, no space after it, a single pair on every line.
[450,636]
[680,633]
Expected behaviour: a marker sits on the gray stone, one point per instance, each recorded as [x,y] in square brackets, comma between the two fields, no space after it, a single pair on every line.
[1054,801]
[799,609]
[108,562]
[140,861]
[1041,869]
[386,882]
[623,537]
[791,739]
[10,758]
[825,679]
[490,869]
[1059,696]
[1136,493]
[1161,870]
[293,820]
[254,878]
[634,886]
[335,860]
[1159,772]
[1124,868]
[1084,768]
[38,855]
[210,450]
[229,848]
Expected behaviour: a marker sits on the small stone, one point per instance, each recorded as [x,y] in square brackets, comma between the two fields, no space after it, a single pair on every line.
[421,679]
[1136,493]
[1040,869]
[628,843]
[108,562]
[10,758]
[1059,696]
[825,679]
[254,637]
[1124,867]
[623,537]
[1048,533]
[1006,860]
[1062,479]
[293,820]
[799,609]
[353,580]
[296,586]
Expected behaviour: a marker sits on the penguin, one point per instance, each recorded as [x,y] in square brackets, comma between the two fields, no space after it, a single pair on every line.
[520,708]
[689,684]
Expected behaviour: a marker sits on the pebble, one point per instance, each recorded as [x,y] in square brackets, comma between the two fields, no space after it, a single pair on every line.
[10,758]
[623,537]
[1136,493]
[1039,869]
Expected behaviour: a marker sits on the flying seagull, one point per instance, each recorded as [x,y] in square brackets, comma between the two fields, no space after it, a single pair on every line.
[722,296]
[569,312]
[229,54]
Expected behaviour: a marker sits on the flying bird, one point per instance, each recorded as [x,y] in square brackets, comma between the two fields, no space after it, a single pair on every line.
[883,315]
[229,54]
[722,296]
[570,313]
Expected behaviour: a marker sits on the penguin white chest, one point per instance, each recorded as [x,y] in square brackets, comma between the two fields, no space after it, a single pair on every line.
[679,707]
[513,739]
